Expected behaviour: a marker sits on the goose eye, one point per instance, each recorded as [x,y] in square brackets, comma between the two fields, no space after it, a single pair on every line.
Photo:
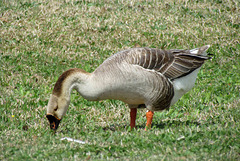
[56,108]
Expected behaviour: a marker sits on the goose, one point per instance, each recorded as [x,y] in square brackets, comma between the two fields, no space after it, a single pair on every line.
[140,77]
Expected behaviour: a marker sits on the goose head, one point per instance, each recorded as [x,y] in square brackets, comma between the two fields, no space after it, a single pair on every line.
[56,109]
[60,98]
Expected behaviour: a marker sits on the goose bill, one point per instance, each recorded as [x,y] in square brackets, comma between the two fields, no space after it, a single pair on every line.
[54,121]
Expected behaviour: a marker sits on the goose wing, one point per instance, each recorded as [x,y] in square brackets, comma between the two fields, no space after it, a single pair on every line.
[171,63]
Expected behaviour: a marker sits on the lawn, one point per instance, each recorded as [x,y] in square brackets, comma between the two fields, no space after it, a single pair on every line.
[40,39]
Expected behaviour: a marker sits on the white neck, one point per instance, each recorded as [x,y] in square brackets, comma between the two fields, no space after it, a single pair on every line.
[86,87]
[81,81]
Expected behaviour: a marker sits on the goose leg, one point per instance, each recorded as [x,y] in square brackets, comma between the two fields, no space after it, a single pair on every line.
[133,114]
[149,116]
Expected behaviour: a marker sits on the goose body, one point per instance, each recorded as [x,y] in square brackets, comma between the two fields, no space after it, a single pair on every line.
[152,78]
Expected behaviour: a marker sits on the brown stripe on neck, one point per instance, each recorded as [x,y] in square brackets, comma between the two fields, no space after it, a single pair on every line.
[57,90]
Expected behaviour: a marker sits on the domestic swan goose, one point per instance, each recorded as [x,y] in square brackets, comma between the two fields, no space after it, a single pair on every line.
[140,77]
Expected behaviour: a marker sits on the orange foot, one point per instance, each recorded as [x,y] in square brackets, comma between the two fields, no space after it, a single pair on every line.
[149,116]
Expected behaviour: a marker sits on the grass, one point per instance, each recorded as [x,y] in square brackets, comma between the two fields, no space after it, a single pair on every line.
[40,39]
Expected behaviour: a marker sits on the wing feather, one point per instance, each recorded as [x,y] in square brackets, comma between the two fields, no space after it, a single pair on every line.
[171,63]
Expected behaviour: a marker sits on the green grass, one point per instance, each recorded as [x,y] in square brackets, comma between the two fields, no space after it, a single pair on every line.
[39,40]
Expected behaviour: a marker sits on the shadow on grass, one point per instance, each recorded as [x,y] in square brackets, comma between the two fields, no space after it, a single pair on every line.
[161,125]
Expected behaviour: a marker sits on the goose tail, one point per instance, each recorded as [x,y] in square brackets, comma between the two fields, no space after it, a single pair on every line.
[202,51]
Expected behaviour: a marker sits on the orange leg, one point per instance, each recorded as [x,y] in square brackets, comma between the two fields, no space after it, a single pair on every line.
[149,116]
[133,114]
